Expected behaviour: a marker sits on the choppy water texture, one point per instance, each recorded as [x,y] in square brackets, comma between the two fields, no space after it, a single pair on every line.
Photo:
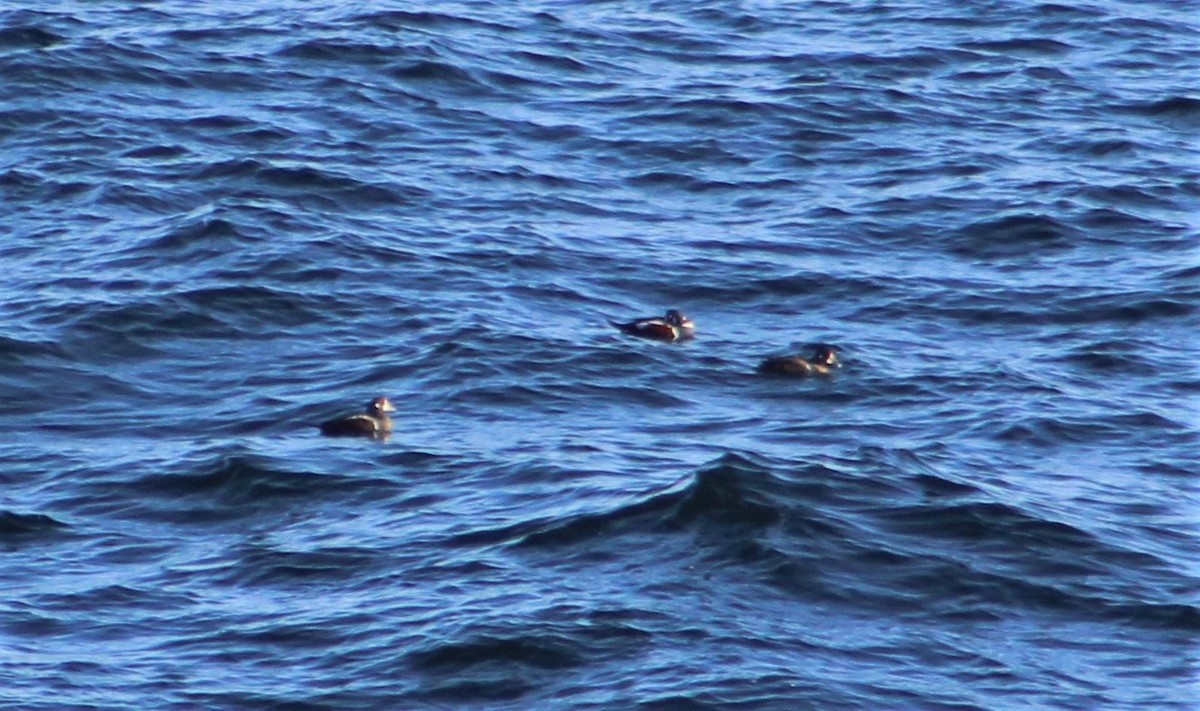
[224,222]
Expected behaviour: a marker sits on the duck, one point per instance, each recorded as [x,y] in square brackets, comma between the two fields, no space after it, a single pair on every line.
[822,362]
[373,423]
[672,326]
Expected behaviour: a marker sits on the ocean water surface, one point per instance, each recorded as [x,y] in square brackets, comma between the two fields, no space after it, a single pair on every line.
[222,223]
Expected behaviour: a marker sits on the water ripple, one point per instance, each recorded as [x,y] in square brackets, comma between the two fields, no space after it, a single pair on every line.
[225,225]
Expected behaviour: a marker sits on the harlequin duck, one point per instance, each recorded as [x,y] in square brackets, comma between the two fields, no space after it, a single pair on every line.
[673,326]
[822,362]
[373,423]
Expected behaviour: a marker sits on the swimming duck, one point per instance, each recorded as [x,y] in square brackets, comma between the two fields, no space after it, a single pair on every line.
[373,423]
[822,362]
[673,326]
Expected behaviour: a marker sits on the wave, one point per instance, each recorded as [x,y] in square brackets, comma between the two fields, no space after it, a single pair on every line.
[500,662]
[240,479]
[1111,356]
[226,488]
[28,37]
[435,71]
[262,565]
[1128,307]
[308,181]
[1021,45]
[135,326]
[1102,427]
[158,152]
[690,183]
[541,651]
[553,61]
[713,492]
[23,526]
[868,533]
[341,50]
[399,20]
[208,234]
[733,491]
[1013,236]
[15,351]
[1179,111]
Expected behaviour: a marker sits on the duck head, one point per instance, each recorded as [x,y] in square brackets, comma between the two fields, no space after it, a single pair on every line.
[825,355]
[379,406]
[678,320]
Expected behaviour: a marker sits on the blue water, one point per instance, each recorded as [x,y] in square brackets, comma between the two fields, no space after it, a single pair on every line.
[222,223]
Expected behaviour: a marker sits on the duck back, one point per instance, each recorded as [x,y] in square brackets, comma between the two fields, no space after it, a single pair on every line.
[355,426]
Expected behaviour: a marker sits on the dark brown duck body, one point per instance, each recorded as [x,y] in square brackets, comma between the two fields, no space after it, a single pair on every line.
[673,326]
[822,362]
[373,423]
